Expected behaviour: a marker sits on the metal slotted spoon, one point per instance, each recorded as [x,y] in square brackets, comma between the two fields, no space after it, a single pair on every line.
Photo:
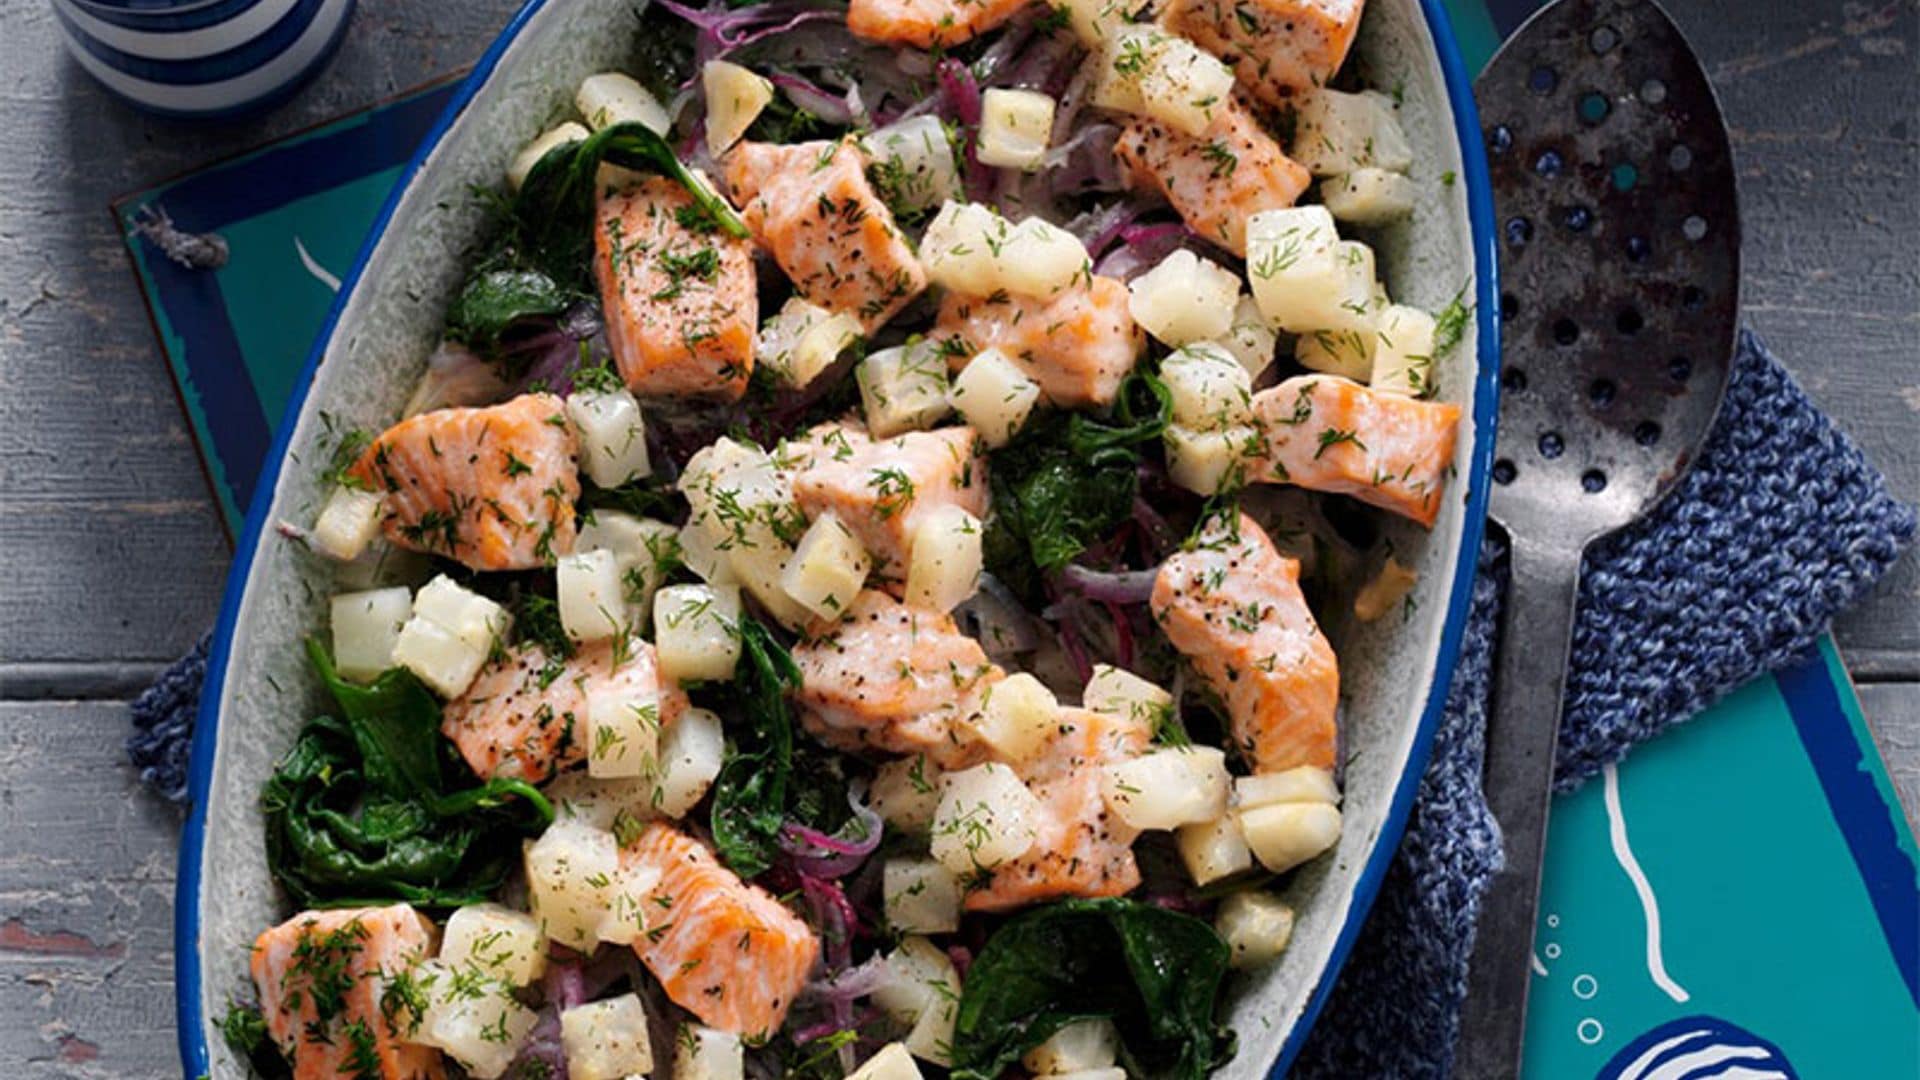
[1619,267]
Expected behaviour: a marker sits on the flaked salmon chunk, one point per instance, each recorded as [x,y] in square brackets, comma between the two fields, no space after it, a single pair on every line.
[724,950]
[1331,434]
[492,488]
[525,717]
[1078,345]
[680,298]
[1232,606]
[322,977]
[925,24]
[1217,180]
[883,490]
[1276,48]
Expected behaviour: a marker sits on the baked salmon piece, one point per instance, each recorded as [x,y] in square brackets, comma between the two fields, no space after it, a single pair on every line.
[521,716]
[321,976]
[1078,345]
[893,678]
[1217,180]
[723,950]
[1081,848]
[1275,47]
[810,205]
[1232,605]
[492,488]
[680,298]
[883,490]
[1332,434]
[924,24]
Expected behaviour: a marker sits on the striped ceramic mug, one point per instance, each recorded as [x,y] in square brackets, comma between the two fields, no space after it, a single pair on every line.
[202,58]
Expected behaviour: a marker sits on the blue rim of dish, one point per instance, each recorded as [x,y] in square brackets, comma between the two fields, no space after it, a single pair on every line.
[1486,401]
[190,1018]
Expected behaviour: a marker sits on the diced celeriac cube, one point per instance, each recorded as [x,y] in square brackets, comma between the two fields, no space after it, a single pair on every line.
[613,97]
[1368,196]
[734,98]
[994,396]
[630,910]
[828,567]
[1346,353]
[903,388]
[1150,73]
[1284,835]
[1208,462]
[1213,849]
[623,732]
[569,871]
[970,249]
[690,756]
[506,944]
[366,628]
[1210,389]
[696,632]
[700,551]
[1336,132]
[914,157]
[891,1062]
[931,1037]
[645,551]
[1040,258]
[920,896]
[986,816]
[1014,128]
[1304,276]
[916,971]
[472,1017]
[1403,351]
[1251,338]
[744,503]
[1168,788]
[906,792]
[472,618]
[607,1040]
[1384,591]
[1111,1072]
[804,339]
[1119,692]
[1301,784]
[613,437]
[450,635]
[1082,1045]
[1015,716]
[592,599]
[1256,926]
[704,1053]
[1184,299]
[530,154]
[347,523]
[943,568]
[1096,22]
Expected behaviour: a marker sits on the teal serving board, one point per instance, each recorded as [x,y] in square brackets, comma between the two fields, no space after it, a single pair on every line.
[1742,889]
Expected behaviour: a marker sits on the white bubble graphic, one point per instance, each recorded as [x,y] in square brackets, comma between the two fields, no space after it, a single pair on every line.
[1585,986]
[1553,952]
[1553,921]
[1590,1031]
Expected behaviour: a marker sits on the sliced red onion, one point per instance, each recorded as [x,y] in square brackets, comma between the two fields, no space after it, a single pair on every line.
[1111,587]
[997,619]
[855,982]
[962,958]
[837,854]
[807,96]
[1122,633]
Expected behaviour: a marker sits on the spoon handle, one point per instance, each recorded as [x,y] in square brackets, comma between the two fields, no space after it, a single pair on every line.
[1523,727]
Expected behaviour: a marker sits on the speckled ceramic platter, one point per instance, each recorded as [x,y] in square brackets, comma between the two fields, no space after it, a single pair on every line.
[388,316]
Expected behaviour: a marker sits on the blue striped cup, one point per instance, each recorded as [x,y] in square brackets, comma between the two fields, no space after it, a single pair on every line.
[202,58]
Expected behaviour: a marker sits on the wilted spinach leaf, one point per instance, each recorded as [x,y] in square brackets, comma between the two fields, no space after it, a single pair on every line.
[494,300]
[245,1031]
[1155,973]
[750,794]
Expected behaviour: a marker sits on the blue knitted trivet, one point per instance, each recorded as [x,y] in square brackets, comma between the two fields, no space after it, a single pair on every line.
[1779,525]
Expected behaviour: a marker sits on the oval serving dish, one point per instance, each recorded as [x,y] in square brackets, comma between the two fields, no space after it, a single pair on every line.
[388,317]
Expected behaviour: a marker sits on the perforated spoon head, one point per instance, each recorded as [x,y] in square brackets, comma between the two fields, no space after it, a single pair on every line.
[1619,264]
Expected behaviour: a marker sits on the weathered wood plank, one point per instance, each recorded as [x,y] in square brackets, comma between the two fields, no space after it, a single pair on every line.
[1893,713]
[86,899]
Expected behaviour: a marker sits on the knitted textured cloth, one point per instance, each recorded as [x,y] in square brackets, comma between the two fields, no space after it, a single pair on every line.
[1780,524]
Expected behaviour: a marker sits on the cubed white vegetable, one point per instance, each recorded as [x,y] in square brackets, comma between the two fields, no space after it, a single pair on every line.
[613,97]
[1014,128]
[1015,716]
[1336,132]
[1168,788]
[994,396]
[623,731]
[645,550]
[1284,835]
[1111,1072]
[1119,692]
[903,388]
[804,339]
[470,617]
[1081,1045]
[569,871]
[1304,277]
[592,599]
[1301,784]
[828,567]
[607,1040]
[1210,389]
[1346,353]
[1368,196]
[921,896]
[690,757]
[696,631]
[1403,351]
[1251,338]
[943,568]
[1384,591]
[630,910]
[347,523]
[917,972]
[366,628]
[955,249]
[1184,299]
[891,1062]
[704,1053]
[734,98]
[986,816]
[745,503]
[613,437]
[1184,87]
[1040,258]
[1097,22]
[600,803]
[530,154]
[700,550]
[1213,849]
[500,941]
[1256,926]
[931,1037]
[472,1017]
[915,158]
[1207,462]
[906,792]
[437,656]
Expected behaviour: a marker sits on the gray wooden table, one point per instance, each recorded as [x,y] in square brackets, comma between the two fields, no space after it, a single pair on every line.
[112,556]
